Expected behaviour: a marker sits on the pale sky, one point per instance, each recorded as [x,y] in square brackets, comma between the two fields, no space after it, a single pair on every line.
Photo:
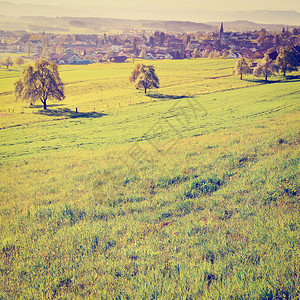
[260,11]
[176,4]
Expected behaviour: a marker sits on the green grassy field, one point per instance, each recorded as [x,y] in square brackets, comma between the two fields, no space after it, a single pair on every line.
[188,192]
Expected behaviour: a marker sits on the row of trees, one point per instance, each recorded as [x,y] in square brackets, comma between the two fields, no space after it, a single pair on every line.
[42,81]
[8,62]
[287,61]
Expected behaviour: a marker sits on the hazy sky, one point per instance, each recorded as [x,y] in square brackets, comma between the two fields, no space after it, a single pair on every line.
[175,4]
[261,11]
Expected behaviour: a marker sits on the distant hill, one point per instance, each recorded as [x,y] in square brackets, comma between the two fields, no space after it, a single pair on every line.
[95,25]
[11,9]
[146,12]
[37,17]
[291,18]
[270,17]
[98,25]
[244,25]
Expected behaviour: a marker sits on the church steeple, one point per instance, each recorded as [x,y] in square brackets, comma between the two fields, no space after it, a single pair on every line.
[221,34]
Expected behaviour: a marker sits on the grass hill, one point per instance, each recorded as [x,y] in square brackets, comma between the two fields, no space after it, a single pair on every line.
[190,191]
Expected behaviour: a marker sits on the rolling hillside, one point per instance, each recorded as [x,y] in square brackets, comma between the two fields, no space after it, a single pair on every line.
[188,192]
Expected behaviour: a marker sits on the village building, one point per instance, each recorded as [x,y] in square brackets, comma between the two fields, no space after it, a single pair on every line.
[70,58]
[119,59]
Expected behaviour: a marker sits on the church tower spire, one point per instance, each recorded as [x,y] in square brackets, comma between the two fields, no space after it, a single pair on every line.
[221,33]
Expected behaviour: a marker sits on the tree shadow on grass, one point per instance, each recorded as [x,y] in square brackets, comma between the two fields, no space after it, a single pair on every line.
[65,112]
[11,70]
[48,105]
[262,81]
[288,78]
[165,96]
[293,77]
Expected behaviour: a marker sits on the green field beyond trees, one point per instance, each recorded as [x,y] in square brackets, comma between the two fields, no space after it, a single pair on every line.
[190,191]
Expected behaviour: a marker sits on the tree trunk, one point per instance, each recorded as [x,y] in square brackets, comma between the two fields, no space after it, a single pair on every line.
[266,78]
[241,76]
[145,90]
[45,104]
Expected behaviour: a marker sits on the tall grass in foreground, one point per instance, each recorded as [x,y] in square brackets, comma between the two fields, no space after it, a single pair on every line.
[215,218]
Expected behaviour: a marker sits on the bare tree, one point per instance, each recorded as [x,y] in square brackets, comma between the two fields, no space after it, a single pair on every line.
[241,67]
[28,46]
[287,60]
[144,77]
[8,62]
[133,57]
[195,53]
[20,61]
[40,82]
[265,68]
[143,53]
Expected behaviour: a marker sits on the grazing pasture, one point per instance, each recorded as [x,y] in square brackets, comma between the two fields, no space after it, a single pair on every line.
[188,192]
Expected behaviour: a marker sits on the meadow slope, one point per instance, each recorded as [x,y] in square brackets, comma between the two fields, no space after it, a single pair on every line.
[188,192]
